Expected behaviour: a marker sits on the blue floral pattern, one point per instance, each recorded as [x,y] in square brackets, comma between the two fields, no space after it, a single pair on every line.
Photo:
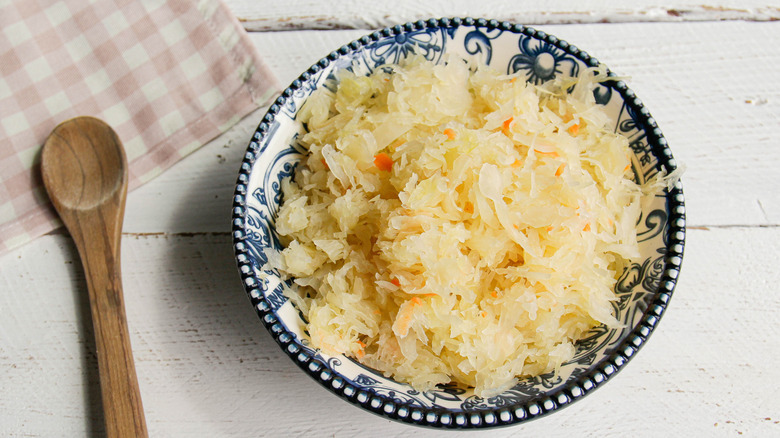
[479,42]
[643,289]
[542,61]
[428,43]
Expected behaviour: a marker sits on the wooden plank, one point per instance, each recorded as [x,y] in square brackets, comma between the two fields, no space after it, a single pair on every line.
[259,15]
[714,89]
[207,367]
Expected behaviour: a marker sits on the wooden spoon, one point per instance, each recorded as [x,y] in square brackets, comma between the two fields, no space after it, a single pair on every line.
[85,173]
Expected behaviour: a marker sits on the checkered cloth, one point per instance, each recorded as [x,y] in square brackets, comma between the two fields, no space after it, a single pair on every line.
[168,76]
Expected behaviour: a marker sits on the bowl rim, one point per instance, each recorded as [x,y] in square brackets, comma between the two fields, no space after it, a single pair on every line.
[537,406]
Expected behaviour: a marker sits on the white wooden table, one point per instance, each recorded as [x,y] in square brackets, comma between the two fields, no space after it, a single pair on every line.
[710,76]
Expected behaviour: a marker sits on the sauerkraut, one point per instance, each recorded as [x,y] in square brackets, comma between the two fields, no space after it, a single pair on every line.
[452,223]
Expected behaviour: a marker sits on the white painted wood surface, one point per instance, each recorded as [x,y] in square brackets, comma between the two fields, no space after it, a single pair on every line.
[207,367]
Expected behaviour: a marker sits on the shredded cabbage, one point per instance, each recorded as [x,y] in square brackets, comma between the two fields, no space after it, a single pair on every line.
[457,225]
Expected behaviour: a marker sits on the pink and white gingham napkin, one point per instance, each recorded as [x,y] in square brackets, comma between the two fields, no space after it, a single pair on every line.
[168,76]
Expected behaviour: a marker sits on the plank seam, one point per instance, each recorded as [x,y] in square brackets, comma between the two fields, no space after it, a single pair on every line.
[702,13]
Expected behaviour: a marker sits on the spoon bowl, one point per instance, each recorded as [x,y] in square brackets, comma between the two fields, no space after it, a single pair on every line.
[90,166]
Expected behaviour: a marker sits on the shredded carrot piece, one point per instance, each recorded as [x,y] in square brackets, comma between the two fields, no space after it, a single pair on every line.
[517,227]
[550,228]
[468,208]
[383,162]
[395,282]
[494,294]
[450,133]
[513,80]
[560,169]
[628,166]
[574,129]
[362,345]
[484,314]
[430,295]
[586,227]
[517,163]
[551,154]
[416,300]
[360,354]
[505,126]
[324,163]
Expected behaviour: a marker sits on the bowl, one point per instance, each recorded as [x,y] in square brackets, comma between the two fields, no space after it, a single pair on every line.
[643,290]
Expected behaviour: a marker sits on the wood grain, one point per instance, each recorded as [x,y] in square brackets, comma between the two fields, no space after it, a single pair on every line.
[84,169]
[256,15]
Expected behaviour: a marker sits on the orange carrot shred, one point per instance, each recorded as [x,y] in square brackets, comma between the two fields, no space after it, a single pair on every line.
[513,80]
[586,227]
[574,129]
[416,300]
[560,169]
[450,133]
[628,166]
[484,314]
[494,294]
[550,228]
[552,154]
[505,126]
[360,354]
[362,345]
[324,163]
[517,227]
[383,162]
[517,163]
[395,282]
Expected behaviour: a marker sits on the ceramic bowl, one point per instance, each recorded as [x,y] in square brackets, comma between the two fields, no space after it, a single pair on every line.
[644,289]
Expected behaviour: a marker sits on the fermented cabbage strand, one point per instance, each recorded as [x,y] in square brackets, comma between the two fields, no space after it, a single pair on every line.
[483,243]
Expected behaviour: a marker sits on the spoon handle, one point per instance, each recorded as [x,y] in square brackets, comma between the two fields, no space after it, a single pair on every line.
[97,236]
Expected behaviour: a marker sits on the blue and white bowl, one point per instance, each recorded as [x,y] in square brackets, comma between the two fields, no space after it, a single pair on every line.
[644,289]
